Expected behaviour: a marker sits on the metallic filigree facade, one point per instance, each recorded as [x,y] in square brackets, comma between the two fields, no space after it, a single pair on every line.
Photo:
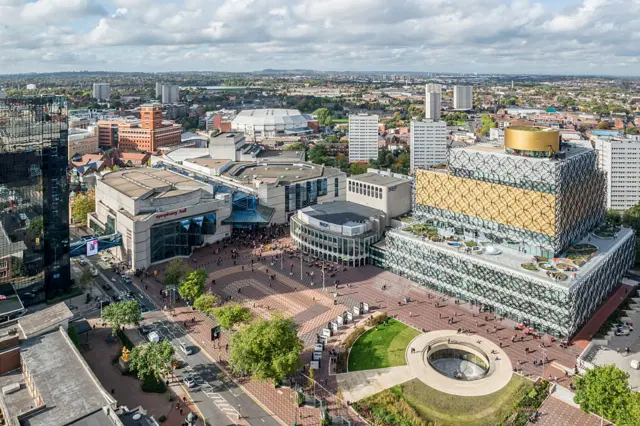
[540,203]
[552,307]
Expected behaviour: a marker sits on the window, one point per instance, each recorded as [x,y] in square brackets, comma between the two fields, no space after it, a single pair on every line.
[4,264]
[335,183]
[3,274]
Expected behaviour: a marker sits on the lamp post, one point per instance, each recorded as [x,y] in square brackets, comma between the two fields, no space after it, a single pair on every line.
[323,287]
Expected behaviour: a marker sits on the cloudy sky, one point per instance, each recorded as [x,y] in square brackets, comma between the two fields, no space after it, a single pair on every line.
[507,36]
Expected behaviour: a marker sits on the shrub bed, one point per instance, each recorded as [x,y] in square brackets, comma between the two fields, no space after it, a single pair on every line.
[529,266]
[359,331]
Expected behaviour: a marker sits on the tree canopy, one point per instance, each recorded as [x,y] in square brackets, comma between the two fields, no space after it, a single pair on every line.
[153,358]
[231,314]
[268,349]
[176,270]
[605,390]
[487,124]
[324,116]
[206,303]
[193,285]
[82,205]
[122,313]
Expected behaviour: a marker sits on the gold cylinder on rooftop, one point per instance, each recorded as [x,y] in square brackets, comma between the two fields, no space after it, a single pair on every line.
[530,138]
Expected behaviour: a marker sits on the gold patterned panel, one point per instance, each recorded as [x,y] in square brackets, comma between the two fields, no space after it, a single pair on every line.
[531,139]
[521,208]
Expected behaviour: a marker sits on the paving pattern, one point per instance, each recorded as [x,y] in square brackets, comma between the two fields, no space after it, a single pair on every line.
[312,307]
[554,412]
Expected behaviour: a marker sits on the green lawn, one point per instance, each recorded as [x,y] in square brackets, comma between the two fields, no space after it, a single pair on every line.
[445,409]
[339,120]
[381,348]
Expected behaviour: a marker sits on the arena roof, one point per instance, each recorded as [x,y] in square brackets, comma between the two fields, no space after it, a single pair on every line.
[270,117]
[285,172]
[342,212]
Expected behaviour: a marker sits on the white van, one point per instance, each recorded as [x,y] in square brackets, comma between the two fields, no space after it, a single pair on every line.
[94,272]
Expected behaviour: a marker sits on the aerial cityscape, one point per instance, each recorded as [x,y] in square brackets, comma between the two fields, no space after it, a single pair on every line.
[340,213]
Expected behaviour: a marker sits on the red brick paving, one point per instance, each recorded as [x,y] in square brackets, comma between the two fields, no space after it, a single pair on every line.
[554,412]
[289,295]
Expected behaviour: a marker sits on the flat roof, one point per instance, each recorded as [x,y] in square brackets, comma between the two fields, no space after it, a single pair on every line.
[341,212]
[147,182]
[284,171]
[378,179]
[208,162]
[511,259]
[575,149]
[68,388]
[48,317]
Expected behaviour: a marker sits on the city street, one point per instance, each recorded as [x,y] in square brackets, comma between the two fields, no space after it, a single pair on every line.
[218,399]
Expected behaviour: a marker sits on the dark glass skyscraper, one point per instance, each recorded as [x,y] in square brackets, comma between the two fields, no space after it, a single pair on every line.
[34,201]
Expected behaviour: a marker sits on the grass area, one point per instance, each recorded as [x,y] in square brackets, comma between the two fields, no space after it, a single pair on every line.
[442,408]
[381,347]
[529,266]
[339,120]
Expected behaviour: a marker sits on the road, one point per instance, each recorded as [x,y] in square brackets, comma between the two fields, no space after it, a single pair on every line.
[219,400]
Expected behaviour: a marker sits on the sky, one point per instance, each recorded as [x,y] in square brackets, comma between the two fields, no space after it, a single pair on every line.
[462,36]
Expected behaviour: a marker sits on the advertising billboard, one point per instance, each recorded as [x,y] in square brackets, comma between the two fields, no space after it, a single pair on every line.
[92,247]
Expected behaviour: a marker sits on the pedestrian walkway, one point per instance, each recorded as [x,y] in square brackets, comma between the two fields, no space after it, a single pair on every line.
[301,296]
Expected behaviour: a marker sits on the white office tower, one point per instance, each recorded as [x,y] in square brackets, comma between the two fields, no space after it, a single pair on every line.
[428,143]
[462,97]
[158,89]
[170,93]
[363,137]
[619,157]
[3,95]
[101,91]
[432,101]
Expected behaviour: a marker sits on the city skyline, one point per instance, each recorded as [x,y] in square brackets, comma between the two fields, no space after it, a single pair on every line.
[489,36]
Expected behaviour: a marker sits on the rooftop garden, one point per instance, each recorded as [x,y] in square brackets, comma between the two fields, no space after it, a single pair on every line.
[529,128]
[607,231]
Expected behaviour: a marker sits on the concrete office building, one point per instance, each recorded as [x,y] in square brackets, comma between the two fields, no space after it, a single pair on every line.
[170,93]
[463,97]
[340,232]
[101,91]
[363,137]
[428,143]
[389,194]
[160,214]
[432,101]
[510,230]
[267,186]
[497,135]
[159,90]
[619,157]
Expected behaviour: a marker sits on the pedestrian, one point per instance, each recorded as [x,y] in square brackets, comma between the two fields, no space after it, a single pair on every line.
[113,391]
[181,411]
[184,398]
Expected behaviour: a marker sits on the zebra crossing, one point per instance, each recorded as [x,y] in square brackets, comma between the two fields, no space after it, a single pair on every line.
[173,332]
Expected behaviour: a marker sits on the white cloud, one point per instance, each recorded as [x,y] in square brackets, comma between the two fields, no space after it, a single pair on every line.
[413,35]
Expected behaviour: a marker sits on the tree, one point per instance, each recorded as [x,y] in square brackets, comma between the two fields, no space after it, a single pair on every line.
[232,314]
[193,285]
[36,225]
[604,390]
[72,331]
[175,271]
[487,124]
[122,313]
[298,146]
[357,168]
[205,303]
[86,276]
[151,359]
[318,154]
[614,216]
[82,205]
[324,116]
[269,349]
[603,125]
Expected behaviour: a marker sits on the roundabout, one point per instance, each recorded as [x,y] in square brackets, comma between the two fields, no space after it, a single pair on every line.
[458,364]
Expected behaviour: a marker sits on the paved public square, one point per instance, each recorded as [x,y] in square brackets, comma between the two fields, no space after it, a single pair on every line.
[302,296]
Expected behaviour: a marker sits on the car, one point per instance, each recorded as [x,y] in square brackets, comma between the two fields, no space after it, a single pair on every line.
[622,332]
[143,309]
[154,337]
[117,298]
[131,294]
[103,303]
[188,350]
[82,262]
[94,272]
[190,382]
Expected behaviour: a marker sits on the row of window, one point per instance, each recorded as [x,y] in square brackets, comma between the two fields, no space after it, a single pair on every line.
[365,189]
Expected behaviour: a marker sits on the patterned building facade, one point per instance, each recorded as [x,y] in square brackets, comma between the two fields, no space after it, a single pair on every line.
[497,208]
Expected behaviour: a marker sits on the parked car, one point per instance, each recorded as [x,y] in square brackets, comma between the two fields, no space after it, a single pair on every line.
[94,272]
[190,382]
[144,329]
[154,337]
[188,350]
